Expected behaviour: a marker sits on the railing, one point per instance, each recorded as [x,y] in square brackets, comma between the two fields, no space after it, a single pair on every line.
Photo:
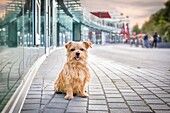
[85,17]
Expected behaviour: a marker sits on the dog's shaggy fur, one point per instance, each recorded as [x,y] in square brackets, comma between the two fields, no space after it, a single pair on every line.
[75,74]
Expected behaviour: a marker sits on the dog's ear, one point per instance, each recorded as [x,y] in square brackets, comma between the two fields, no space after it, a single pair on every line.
[68,44]
[87,44]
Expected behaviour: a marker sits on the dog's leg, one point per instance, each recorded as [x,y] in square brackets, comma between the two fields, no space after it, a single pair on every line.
[56,90]
[69,93]
[83,91]
[56,86]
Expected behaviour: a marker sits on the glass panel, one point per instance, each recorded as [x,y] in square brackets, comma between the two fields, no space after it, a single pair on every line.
[18,51]
[66,27]
[11,49]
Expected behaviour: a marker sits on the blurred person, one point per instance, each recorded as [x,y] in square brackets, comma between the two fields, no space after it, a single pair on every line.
[146,41]
[154,43]
[159,39]
[131,42]
[136,42]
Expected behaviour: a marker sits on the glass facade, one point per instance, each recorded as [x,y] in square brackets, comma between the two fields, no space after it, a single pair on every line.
[65,28]
[20,44]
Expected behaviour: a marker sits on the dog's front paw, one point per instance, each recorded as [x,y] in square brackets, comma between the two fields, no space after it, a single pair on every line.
[56,89]
[84,95]
[69,97]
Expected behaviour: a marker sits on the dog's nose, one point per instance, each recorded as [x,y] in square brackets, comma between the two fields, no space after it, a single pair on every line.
[77,53]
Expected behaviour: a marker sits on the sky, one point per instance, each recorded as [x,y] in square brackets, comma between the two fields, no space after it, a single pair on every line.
[138,11]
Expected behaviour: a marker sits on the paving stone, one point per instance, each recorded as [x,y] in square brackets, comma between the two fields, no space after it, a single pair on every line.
[167,100]
[113,95]
[34,92]
[96,90]
[45,96]
[77,98]
[168,91]
[126,91]
[136,86]
[159,107]
[136,103]
[76,109]
[124,87]
[33,96]
[111,92]
[159,91]
[96,97]
[54,111]
[149,96]
[162,111]
[48,92]
[109,86]
[37,84]
[162,84]
[31,106]
[141,109]
[98,107]
[59,95]
[32,101]
[97,112]
[115,100]
[120,111]
[135,98]
[154,101]
[148,85]
[54,105]
[127,94]
[155,89]
[97,102]
[96,93]
[144,92]
[165,95]
[166,88]
[35,89]
[95,87]
[43,102]
[77,104]
[118,105]
[62,100]
[29,111]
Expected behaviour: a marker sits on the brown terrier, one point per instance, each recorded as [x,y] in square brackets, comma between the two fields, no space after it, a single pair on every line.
[75,74]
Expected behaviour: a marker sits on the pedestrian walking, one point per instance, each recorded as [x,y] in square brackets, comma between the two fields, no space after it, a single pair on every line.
[146,41]
[154,43]
[159,39]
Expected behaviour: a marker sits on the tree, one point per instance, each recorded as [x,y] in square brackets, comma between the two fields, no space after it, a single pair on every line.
[160,22]
[136,29]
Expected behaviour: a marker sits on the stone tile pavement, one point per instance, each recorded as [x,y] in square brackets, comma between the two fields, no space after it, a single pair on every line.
[114,88]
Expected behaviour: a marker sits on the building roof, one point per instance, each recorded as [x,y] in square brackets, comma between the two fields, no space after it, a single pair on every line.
[101,14]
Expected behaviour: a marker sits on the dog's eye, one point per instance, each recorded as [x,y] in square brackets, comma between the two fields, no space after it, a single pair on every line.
[82,49]
[72,49]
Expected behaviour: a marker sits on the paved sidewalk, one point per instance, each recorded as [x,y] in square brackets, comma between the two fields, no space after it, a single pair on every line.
[114,88]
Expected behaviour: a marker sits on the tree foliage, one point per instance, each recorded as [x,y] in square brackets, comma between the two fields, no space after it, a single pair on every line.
[160,22]
[136,29]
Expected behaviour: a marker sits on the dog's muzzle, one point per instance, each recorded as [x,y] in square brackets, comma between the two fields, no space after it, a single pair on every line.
[77,56]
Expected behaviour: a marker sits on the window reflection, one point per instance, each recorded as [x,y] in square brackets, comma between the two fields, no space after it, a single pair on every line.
[18,50]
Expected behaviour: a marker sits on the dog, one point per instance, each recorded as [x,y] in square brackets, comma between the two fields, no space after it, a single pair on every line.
[75,74]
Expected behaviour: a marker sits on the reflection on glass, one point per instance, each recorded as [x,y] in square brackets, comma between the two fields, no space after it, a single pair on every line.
[18,51]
